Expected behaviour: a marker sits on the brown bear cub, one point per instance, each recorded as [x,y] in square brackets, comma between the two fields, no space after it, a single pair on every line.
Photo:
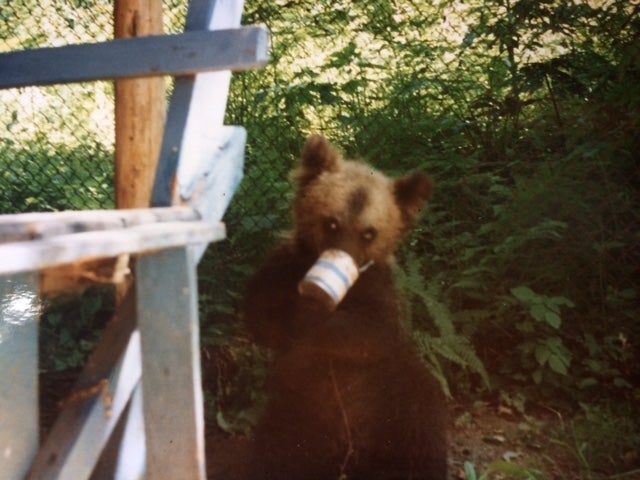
[348,396]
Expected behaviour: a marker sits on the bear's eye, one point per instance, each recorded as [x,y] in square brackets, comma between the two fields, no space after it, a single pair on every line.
[370,234]
[331,224]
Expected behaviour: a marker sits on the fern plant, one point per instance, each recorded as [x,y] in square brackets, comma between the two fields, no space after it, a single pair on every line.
[449,345]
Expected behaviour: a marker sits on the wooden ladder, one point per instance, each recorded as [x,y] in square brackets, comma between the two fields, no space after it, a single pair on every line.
[144,375]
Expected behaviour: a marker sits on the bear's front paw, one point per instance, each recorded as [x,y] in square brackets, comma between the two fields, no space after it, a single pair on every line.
[314,301]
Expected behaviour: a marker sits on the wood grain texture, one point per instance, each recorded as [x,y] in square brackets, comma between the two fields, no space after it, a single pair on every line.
[64,249]
[198,105]
[41,225]
[188,53]
[90,414]
[171,382]
[140,110]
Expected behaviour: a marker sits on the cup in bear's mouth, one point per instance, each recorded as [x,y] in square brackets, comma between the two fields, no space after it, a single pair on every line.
[330,278]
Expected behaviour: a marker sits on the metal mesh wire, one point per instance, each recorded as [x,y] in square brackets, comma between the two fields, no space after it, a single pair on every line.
[56,143]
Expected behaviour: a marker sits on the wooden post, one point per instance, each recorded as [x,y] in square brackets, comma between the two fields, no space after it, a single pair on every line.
[19,308]
[171,382]
[140,110]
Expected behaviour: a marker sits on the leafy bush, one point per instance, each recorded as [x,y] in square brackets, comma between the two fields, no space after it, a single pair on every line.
[39,176]
[70,328]
[601,437]
[525,113]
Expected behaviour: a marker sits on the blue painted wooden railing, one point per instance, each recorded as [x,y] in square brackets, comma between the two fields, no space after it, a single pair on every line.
[144,375]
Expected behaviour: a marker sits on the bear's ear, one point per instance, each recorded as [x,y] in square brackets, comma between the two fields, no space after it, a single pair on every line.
[412,194]
[318,155]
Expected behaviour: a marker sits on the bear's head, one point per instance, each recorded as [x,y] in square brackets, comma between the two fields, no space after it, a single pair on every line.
[347,205]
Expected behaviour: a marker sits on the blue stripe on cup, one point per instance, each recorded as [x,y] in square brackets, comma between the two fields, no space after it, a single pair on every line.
[336,271]
[323,285]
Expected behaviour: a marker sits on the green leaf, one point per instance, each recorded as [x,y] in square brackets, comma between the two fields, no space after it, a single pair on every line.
[596,366]
[223,423]
[469,283]
[558,364]
[621,383]
[587,382]
[538,312]
[537,376]
[469,471]
[468,39]
[553,319]
[343,57]
[513,471]
[548,302]
[562,301]
[542,354]
[524,294]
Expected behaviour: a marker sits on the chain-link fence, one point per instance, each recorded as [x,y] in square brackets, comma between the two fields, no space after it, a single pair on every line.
[56,143]
[526,113]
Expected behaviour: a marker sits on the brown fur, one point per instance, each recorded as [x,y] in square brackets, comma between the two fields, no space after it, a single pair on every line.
[348,395]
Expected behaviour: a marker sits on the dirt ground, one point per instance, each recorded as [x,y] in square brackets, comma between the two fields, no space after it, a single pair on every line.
[480,435]
[488,435]
[495,434]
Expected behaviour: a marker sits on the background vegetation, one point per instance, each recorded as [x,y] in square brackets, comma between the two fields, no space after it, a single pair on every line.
[522,280]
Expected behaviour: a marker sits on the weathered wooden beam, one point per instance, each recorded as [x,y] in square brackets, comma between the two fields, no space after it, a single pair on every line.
[171,381]
[184,54]
[40,225]
[207,183]
[64,249]
[197,106]
[99,397]
[132,451]
[140,110]
[19,312]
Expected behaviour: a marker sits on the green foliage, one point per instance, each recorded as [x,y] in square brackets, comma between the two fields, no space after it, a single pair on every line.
[547,351]
[39,176]
[70,328]
[522,274]
[599,437]
[503,469]
[542,308]
[234,380]
[234,369]
[422,301]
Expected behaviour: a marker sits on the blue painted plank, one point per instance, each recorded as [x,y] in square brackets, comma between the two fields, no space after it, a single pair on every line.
[199,14]
[198,104]
[132,454]
[72,448]
[65,249]
[208,181]
[40,225]
[179,109]
[18,373]
[210,174]
[171,379]
[185,54]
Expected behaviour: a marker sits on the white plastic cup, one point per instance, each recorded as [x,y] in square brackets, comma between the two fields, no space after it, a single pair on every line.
[330,278]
